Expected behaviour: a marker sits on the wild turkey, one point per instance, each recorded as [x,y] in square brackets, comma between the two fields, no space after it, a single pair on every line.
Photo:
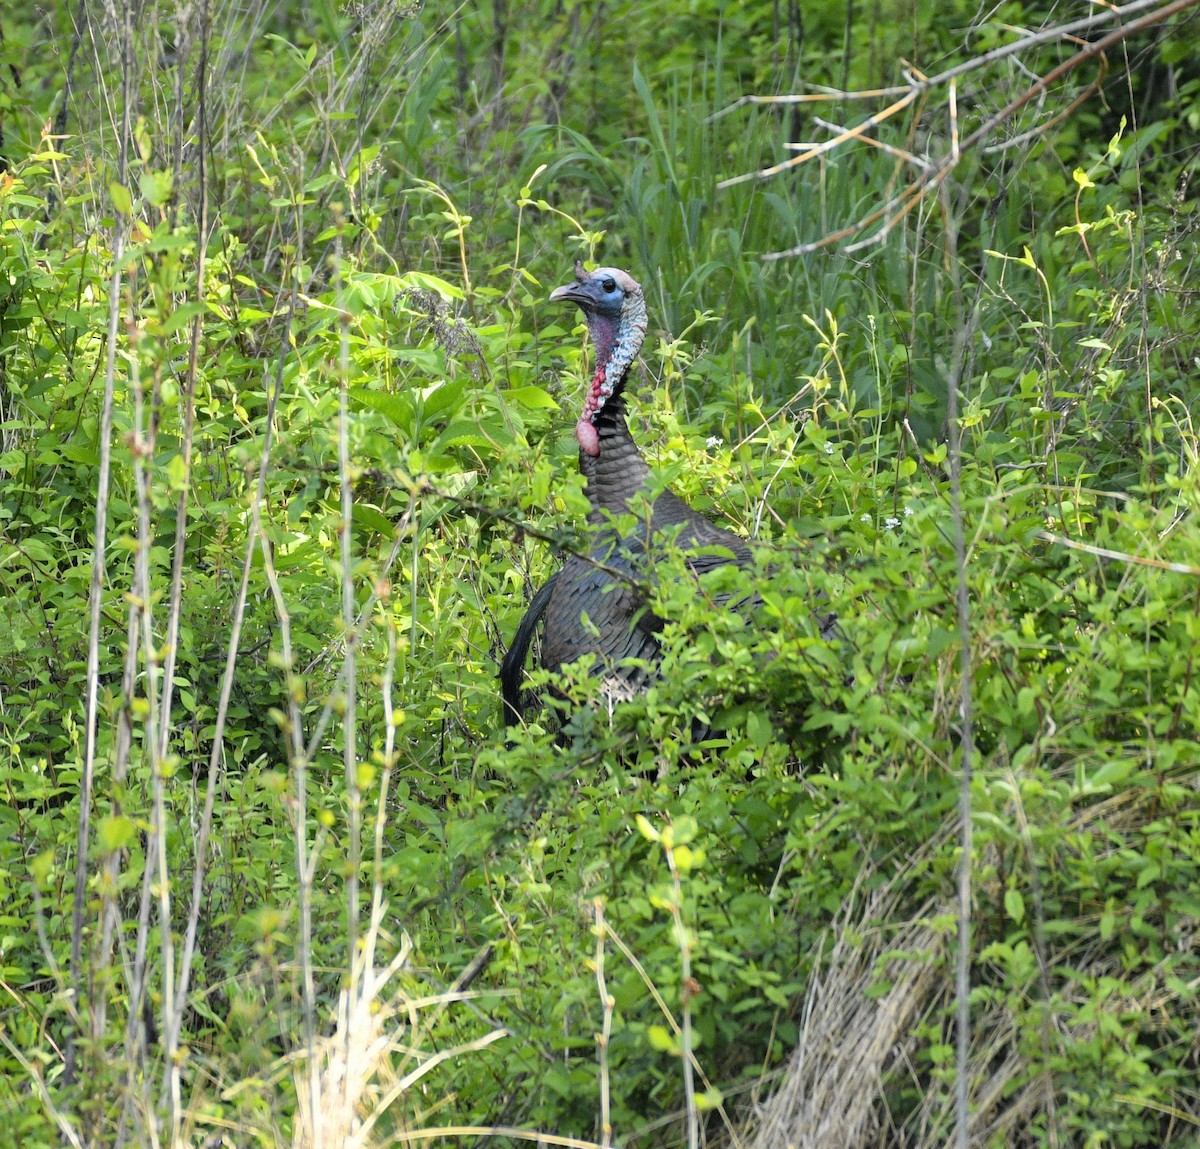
[617,627]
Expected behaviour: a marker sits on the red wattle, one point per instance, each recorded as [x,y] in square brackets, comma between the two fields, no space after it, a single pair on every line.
[589,439]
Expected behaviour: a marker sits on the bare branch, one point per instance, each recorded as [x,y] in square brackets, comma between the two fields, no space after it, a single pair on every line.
[1147,12]
[1119,556]
[890,149]
[829,145]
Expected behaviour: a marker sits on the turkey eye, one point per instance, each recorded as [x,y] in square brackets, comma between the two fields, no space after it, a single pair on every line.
[609,285]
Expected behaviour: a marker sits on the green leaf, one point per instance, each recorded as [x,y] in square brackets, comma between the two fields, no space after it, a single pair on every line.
[42,866]
[121,198]
[433,283]
[759,730]
[371,518]
[660,1038]
[1112,773]
[80,453]
[645,828]
[442,398]
[1108,919]
[396,408]
[683,830]
[361,162]
[531,398]
[487,436]
[177,473]
[114,832]
[156,187]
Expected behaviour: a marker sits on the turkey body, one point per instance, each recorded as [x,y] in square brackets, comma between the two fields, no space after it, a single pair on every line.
[596,604]
[592,610]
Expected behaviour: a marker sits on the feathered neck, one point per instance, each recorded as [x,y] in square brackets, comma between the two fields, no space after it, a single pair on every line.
[616,340]
[616,472]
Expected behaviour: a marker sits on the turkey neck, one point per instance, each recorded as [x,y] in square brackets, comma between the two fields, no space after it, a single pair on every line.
[619,472]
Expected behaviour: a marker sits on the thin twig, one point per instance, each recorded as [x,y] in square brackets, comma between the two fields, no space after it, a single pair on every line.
[405,1137]
[820,94]
[299,766]
[349,676]
[1019,141]
[605,1034]
[686,992]
[389,760]
[189,384]
[235,630]
[1118,556]
[669,1018]
[323,719]
[964,340]
[99,561]
[34,1073]
[823,148]
[156,860]
[890,149]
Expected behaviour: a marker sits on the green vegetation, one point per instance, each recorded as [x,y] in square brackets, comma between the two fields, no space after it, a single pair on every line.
[276,361]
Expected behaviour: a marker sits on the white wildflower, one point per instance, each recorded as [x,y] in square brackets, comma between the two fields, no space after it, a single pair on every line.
[891,522]
[714,441]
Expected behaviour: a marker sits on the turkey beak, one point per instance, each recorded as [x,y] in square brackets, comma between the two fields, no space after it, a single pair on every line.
[573,293]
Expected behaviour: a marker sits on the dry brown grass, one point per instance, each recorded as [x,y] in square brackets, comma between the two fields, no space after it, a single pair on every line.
[887,982]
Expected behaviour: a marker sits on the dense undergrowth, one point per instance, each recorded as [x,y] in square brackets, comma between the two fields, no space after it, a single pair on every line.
[273,269]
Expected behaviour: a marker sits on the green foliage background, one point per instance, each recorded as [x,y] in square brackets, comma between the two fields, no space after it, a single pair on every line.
[385,197]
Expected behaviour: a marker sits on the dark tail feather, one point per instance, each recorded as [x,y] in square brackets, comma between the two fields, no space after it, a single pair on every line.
[512,669]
